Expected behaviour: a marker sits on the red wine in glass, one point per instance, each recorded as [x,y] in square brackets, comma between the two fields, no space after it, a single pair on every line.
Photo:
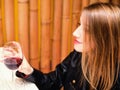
[13,62]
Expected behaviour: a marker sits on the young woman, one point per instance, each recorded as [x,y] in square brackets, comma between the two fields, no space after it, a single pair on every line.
[94,64]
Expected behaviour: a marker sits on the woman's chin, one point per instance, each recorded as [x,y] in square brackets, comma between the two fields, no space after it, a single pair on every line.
[78,49]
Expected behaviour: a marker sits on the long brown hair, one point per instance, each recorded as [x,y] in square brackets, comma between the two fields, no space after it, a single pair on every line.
[101,63]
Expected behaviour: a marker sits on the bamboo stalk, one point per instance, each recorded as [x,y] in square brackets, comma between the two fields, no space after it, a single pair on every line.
[70,31]
[45,34]
[23,26]
[66,26]
[115,1]
[34,56]
[93,1]
[9,19]
[16,19]
[85,3]
[57,33]
[39,28]
[77,6]
[1,29]
[103,1]
[3,20]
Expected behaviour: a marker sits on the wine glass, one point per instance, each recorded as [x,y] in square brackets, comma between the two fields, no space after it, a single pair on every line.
[12,56]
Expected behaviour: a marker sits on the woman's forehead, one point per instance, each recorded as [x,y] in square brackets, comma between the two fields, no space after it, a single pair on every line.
[83,20]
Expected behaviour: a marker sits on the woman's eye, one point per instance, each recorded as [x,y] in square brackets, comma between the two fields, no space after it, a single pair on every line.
[78,24]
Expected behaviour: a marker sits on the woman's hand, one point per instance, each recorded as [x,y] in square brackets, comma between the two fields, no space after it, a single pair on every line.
[25,67]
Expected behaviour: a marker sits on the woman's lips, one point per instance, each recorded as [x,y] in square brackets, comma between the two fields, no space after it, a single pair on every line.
[77,42]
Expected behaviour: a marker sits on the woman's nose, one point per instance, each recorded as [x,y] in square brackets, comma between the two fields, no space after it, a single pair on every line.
[76,33]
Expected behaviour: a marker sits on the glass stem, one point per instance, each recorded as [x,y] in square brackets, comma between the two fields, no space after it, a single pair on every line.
[12,75]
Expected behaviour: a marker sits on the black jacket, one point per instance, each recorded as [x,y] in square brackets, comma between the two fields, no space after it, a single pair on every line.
[67,74]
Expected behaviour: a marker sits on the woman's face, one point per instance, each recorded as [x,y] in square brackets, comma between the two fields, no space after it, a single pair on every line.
[79,34]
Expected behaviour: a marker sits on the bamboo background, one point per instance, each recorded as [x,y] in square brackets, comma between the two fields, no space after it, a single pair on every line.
[42,27]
